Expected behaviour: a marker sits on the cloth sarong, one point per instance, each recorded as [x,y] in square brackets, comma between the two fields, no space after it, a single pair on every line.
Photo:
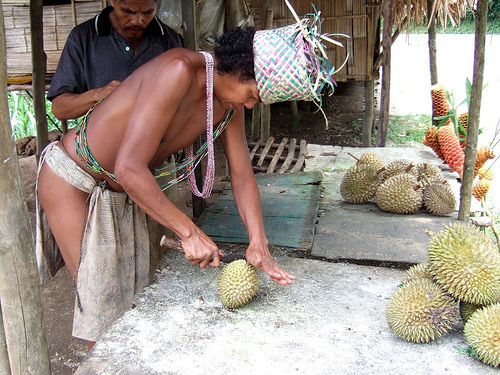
[114,253]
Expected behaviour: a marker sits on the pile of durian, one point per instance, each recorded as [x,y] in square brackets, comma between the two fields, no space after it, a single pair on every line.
[400,187]
[460,280]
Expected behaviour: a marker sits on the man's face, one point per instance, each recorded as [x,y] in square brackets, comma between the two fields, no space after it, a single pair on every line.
[131,17]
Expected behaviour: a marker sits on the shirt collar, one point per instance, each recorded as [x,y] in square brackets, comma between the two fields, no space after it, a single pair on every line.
[103,27]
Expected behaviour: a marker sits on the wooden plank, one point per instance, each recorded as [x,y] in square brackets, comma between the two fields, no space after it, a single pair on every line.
[254,150]
[302,156]
[290,206]
[277,155]
[289,158]
[265,151]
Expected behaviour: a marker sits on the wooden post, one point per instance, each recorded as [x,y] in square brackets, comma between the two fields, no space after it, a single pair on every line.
[432,46]
[474,111]
[255,131]
[369,112]
[386,76]
[295,116]
[265,121]
[21,312]
[39,68]
[190,42]
[4,357]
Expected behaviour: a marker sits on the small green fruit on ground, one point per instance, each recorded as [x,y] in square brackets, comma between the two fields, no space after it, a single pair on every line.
[237,283]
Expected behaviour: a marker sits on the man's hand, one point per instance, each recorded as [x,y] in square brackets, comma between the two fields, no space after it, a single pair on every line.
[200,249]
[102,92]
[261,257]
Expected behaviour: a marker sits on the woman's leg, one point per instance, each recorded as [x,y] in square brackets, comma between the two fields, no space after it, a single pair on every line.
[65,207]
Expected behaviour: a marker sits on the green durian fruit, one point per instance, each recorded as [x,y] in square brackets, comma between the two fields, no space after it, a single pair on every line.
[237,283]
[426,172]
[467,309]
[370,158]
[465,263]
[418,271]
[439,199]
[359,183]
[399,194]
[420,311]
[482,332]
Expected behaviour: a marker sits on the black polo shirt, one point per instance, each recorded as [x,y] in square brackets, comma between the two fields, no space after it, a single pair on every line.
[95,54]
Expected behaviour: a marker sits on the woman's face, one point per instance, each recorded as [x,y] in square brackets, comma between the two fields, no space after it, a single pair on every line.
[235,94]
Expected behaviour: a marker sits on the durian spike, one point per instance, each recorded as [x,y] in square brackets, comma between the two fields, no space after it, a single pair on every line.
[450,147]
[354,156]
[409,167]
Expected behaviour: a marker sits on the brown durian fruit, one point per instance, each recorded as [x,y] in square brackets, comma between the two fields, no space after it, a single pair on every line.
[399,194]
[359,183]
[480,189]
[439,199]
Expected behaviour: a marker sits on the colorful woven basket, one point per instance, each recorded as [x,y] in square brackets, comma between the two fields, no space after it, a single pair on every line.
[291,61]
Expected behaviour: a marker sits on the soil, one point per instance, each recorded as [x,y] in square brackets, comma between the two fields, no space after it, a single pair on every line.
[344,110]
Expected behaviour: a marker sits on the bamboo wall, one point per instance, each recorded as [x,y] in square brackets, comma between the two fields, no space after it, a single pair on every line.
[355,18]
[58,20]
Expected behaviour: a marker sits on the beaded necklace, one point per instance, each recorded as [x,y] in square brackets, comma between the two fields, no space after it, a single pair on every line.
[191,161]
[210,172]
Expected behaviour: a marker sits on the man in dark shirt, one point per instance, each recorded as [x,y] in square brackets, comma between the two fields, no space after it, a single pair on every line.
[101,52]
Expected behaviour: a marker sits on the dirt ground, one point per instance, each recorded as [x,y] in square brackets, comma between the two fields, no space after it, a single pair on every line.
[345,112]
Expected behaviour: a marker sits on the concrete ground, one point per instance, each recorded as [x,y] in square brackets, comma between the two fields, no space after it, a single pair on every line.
[330,321]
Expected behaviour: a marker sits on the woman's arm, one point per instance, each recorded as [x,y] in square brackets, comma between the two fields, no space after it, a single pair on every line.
[247,197]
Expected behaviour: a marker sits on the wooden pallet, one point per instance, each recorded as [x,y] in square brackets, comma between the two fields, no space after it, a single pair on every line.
[270,157]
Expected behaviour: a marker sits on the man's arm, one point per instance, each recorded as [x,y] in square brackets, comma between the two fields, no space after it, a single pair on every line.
[69,105]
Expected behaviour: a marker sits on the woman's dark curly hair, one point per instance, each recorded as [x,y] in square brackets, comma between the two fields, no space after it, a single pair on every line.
[234,52]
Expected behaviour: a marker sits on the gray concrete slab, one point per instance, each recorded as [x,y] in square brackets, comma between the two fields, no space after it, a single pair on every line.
[330,321]
[363,233]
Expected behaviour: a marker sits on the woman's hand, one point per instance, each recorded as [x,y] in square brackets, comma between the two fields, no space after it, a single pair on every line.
[200,249]
[259,256]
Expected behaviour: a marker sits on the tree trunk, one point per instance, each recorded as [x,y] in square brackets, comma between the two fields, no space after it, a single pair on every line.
[474,111]
[39,67]
[386,76]
[4,357]
[369,112]
[19,286]
[431,32]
